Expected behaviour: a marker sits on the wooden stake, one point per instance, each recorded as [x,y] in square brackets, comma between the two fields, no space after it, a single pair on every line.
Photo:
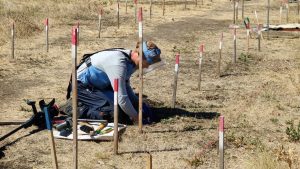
[287,12]
[202,2]
[135,10]
[14,122]
[237,10]
[280,15]
[74,96]
[150,9]
[141,70]
[46,30]
[118,13]
[13,40]
[201,50]
[185,3]
[243,6]
[298,9]
[116,116]
[149,161]
[221,141]
[268,20]
[220,55]
[51,138]
[248,39]
[175,80]
[77,33]
[196,2]
[99,22]
[126,6]
[163,8]
[234,3]
[234,46]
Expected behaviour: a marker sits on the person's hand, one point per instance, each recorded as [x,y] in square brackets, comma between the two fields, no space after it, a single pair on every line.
[147,113]
[135,120]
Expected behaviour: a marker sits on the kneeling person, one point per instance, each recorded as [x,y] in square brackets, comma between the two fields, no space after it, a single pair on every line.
[96,77]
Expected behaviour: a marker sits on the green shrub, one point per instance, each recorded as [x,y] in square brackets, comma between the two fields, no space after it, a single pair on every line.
[292,131]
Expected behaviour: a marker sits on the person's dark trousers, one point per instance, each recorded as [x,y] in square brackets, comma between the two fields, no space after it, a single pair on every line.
[94,104]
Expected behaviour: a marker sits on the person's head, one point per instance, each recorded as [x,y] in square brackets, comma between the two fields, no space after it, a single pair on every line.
[151,54]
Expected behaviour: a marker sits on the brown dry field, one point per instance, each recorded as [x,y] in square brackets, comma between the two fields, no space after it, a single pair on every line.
[257,95]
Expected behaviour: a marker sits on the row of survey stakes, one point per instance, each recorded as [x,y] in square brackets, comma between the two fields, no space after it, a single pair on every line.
[75,42]
[284,5]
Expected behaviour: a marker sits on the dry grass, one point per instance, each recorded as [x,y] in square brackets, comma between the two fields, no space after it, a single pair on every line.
[29,15]
[264,160]
[256,96]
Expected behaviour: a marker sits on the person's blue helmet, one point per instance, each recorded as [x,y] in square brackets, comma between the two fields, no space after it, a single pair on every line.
[151,52]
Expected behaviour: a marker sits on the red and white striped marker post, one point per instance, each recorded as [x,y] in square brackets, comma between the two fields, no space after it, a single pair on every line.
[118,13]
[259,27]
[201,51]
[74,96]
[234,46]
[163,8]
[46,30]
[140,18]
[99,22]
[51,138]
[221,141]
[220,55]
[248,35]
[116,116]
[77,27]
[175,79]
[257,22]
[287,10]
[13,40]
[135,10]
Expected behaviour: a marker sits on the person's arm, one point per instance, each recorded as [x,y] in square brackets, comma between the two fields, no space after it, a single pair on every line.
[133,98]
[119,72]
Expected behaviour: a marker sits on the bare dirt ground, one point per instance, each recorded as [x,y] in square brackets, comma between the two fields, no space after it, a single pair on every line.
[258,95]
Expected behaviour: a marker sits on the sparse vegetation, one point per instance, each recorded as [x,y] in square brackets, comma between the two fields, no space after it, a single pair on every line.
[264,160]
[255,94]
[274,120]
[292,131]
[245,57]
